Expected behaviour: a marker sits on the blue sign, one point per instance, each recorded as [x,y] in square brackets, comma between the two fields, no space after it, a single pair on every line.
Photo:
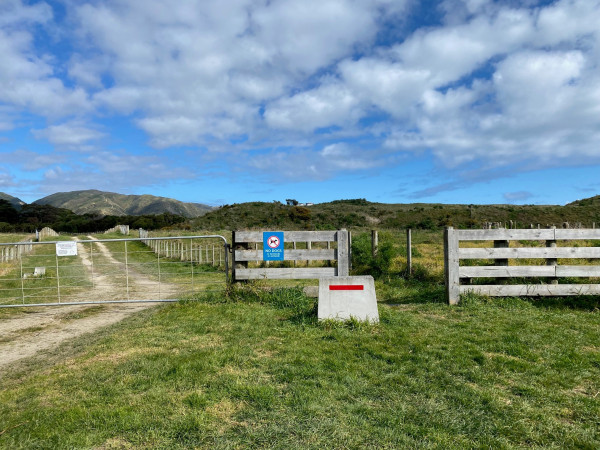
[273,245]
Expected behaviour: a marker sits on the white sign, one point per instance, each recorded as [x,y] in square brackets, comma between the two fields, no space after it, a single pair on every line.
[66,249]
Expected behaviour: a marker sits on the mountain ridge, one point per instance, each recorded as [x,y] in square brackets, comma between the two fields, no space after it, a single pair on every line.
[93,201]
[15,201]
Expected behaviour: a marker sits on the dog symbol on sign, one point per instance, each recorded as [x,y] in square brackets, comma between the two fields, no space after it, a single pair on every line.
[273,242]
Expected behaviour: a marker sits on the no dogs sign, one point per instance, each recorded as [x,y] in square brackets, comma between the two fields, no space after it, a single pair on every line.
[273,245]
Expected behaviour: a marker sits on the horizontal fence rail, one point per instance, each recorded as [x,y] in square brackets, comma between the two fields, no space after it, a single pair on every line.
[331,247]
[501,253]
[74,271]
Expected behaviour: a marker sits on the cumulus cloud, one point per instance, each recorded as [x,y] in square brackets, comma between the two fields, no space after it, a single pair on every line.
[28,80]
[319,86]
[114,171]
[72,135]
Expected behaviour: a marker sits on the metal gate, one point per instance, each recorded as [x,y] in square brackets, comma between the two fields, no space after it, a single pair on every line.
[71,271]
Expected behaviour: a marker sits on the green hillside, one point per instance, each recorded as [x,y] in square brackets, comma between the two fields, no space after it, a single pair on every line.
[17,203]
[364,214]
[110,203]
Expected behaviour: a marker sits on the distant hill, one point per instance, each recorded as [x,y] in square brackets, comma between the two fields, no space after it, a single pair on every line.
[360,213]
[592,201]
[110,203]
[16,202]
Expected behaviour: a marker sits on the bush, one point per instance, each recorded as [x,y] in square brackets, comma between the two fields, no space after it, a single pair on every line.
[363,261]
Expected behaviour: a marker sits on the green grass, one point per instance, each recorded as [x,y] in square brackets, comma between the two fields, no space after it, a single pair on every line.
[72,276]
[252,367]
[13,237]
[143,260]
[257,370]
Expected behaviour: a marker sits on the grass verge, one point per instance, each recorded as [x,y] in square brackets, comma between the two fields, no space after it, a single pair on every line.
[256,369]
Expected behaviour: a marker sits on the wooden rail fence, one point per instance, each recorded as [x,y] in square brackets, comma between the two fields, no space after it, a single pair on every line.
[501,253]
[11,252]
[243,253]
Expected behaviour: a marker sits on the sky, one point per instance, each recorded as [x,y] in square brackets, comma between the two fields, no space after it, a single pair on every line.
[221,102]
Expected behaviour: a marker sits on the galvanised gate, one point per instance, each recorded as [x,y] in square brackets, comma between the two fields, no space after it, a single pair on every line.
[71,271]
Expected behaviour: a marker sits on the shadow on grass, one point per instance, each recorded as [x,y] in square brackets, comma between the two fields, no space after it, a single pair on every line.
[588,303]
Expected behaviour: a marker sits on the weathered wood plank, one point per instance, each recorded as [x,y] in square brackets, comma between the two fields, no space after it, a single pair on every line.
[343,254]
[451,266]
[578,234]
[518,290]
[285,273]
[505,235]
[288,236]
[578,271]
[506,271]
[533,252]
[288,255]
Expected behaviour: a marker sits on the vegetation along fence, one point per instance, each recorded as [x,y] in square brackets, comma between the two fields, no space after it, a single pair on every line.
[186,250]
[525,245]
[308,246]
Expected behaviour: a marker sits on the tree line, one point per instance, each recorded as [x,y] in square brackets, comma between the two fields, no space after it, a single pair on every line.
[34,217]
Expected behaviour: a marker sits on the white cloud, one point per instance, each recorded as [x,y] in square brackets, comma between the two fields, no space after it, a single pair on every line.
[27,80]
[112,171]
[72,135]
[495,84]
[330,104]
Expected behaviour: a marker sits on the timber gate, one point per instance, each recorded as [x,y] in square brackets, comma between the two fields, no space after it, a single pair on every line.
[306,255]
[533,254]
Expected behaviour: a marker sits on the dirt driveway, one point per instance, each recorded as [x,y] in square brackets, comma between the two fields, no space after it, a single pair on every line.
[38,329]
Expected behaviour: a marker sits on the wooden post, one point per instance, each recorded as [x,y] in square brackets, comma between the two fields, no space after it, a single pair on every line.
[374,243]
[294,247]
[501,244]
[349,252]
[409,250]
[552,261]
[238,264]
[451,266]
[342,253]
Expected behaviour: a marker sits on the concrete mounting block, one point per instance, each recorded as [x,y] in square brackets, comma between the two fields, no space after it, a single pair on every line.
[343,298]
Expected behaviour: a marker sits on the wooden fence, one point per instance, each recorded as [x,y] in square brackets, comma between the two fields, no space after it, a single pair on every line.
[14,252]
[44,233]
[246,249]
[501,253]
[123,229]
[185,250]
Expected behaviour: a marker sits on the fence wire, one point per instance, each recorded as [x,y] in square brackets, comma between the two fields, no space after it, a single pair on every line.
[112,270]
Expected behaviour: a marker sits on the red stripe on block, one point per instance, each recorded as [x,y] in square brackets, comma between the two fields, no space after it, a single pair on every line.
[346,287]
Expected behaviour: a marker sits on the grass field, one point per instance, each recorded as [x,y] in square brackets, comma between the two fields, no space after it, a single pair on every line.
[257,370]
[248,367]
[17,287]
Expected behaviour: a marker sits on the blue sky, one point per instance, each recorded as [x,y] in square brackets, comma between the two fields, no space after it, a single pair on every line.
[397,101]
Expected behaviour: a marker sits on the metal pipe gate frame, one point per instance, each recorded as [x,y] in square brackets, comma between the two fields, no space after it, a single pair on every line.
[127,265]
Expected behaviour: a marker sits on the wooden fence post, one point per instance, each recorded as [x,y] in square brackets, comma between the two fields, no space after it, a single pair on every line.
[552,261]
[374,243]
[409,250]
[451,266]
[342,253]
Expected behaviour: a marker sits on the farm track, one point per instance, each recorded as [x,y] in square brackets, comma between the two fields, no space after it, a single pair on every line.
[45,328]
